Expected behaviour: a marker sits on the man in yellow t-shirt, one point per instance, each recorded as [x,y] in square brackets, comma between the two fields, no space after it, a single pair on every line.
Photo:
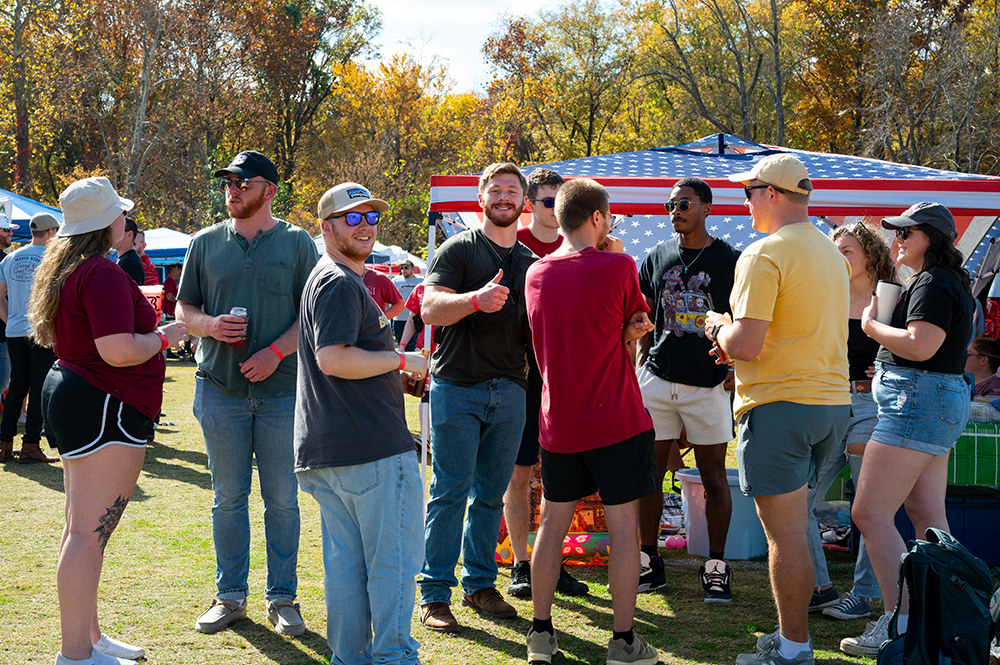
[788,342]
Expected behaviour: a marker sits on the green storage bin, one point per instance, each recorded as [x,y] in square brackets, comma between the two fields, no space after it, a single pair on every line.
[975,459]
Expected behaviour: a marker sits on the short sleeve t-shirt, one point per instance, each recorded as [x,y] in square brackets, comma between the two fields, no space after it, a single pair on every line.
[169,306]
[98,300]
[797,280]
[577,305]
[341,422]
[17,271]
[681,297]
[265,275]
[481,346]
[935,296]
[405,288]
[539,248]
[151,277]
[382,290]
[132,265]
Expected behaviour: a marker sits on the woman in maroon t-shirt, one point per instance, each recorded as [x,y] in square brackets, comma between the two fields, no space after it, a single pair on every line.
[98,400]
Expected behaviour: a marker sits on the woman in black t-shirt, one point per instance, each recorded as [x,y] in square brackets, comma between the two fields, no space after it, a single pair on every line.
[922,397]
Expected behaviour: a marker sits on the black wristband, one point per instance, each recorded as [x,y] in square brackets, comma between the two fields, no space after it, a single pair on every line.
[713,331]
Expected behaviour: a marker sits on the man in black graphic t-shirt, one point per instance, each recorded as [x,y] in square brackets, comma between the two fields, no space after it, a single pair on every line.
[682,387]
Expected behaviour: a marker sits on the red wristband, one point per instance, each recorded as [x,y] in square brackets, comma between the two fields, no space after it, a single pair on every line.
[164,342]
[402,361]
[475,302]
[281,356]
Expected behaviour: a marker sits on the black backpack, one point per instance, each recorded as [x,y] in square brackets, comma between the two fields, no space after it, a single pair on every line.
[950,592]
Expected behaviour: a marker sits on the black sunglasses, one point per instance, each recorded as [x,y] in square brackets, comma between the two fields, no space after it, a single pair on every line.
[683,205]
[354,218]
[548,201]
[242,183]
[749,188]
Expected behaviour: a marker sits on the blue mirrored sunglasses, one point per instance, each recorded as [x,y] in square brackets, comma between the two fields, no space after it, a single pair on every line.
[354,218]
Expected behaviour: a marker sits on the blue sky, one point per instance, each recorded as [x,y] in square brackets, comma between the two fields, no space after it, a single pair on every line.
[452,30]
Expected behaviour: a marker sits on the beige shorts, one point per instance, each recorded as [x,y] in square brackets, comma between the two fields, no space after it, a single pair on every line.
[706,413]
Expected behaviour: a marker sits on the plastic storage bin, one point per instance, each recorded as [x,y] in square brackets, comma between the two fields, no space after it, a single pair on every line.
[746,536]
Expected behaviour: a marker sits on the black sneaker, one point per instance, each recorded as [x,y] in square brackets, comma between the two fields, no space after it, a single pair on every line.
[715,580]
[824,598]
[569,585]
[651,575]
[520,580]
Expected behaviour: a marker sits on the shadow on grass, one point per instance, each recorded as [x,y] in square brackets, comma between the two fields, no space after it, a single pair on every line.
[49,476]
[160,464]
[276,648]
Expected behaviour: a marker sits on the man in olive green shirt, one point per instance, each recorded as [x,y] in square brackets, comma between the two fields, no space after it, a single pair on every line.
[245,385]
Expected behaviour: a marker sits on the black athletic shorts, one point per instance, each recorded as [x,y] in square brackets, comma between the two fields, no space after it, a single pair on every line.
[621,472]
[80,419]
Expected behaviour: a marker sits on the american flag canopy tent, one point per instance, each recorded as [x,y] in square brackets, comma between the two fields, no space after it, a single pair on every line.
[846,189]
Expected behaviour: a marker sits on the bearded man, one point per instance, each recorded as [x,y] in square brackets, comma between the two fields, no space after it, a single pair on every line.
[475,290]
[244,396]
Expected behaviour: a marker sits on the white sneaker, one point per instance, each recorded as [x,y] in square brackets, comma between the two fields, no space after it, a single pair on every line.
[112,647]
[96,658]
[284,615]
[867,643]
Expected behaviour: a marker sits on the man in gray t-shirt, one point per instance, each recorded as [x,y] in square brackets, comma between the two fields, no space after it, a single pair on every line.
[353,451]
[405,282]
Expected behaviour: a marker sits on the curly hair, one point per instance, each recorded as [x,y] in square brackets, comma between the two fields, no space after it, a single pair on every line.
[878,261]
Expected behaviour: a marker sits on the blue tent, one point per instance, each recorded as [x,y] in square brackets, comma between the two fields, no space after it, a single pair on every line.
[19,210]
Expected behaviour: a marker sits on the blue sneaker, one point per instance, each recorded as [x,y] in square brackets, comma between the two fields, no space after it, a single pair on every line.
[849,607]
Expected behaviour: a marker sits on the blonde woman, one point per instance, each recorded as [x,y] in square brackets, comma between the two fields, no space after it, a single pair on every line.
[98,400]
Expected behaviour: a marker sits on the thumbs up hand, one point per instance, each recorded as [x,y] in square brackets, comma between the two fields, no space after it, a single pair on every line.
[492,296]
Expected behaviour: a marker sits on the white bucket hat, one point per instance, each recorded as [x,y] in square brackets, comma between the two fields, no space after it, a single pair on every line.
[89,205]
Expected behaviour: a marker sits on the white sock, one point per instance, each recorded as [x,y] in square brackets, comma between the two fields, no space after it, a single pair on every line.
[901,622]
[789,649]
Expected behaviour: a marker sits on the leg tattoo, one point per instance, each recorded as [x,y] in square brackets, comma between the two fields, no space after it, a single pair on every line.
[109,521]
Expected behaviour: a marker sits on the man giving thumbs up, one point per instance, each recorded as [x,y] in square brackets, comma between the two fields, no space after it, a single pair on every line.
[475,290]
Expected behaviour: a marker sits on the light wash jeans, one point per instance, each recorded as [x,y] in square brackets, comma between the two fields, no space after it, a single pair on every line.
[864,414]
[372,550]
[475,436]
[237,430]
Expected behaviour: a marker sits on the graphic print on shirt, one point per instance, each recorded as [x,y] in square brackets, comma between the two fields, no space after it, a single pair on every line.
[684,308]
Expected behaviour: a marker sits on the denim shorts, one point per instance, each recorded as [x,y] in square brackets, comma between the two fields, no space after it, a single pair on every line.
[919,410]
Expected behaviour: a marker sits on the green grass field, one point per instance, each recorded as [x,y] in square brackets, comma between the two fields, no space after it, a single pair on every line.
[159,575]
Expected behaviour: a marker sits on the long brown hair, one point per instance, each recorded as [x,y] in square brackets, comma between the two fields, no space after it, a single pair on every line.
[62,257]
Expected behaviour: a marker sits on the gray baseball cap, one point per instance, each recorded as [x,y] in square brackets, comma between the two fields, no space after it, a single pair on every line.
[934,215]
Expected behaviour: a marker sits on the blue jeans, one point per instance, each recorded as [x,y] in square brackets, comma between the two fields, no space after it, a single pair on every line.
[475,436]
[236,430]
[859,428]
[372,550]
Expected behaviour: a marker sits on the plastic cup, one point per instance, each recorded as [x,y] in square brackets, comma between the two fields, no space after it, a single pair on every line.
[888,294]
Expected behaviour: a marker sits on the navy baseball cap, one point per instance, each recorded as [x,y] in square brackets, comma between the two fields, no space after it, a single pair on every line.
[249,163]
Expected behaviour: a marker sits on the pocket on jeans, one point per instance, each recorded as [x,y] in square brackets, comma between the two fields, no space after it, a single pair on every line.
[954,403]
[357,480]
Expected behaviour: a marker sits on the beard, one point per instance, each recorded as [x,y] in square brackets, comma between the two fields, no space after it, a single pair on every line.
[344,245]
[503,219]
[5,241]
[247,208]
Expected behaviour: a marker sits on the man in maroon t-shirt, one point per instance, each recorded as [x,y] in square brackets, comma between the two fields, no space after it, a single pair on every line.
[384,293]
[586,310]
[170,289]
[542,237]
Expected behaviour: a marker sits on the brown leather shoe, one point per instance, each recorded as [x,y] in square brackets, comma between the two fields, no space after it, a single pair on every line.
[489,601]
[438,616]
[32,452]
[6,450]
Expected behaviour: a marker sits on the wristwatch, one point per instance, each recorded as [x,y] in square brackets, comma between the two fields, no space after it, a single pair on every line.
[712,332]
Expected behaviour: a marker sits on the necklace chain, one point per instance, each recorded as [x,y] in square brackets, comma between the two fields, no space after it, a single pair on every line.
[687,266]
[489,243]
